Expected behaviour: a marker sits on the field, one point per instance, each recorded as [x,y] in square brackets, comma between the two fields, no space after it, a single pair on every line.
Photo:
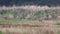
[29,28]
[30,20]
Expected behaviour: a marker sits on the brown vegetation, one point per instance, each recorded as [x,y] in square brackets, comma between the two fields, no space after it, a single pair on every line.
[37,28]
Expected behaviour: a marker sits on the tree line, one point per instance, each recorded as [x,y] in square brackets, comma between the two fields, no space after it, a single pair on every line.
[30,2]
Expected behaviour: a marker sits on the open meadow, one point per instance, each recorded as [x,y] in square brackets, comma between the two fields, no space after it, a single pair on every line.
[29,20]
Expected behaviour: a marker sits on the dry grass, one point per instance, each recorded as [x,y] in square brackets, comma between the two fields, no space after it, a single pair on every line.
[34,8]
[36,28]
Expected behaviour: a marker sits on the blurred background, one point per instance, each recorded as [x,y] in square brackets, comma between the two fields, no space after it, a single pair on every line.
[29,16]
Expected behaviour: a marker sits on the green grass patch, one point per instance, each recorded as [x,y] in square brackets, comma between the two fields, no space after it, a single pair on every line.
[0,32]
[57,23]
[8,21]
[58,32]
[24,33]
[17,21]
